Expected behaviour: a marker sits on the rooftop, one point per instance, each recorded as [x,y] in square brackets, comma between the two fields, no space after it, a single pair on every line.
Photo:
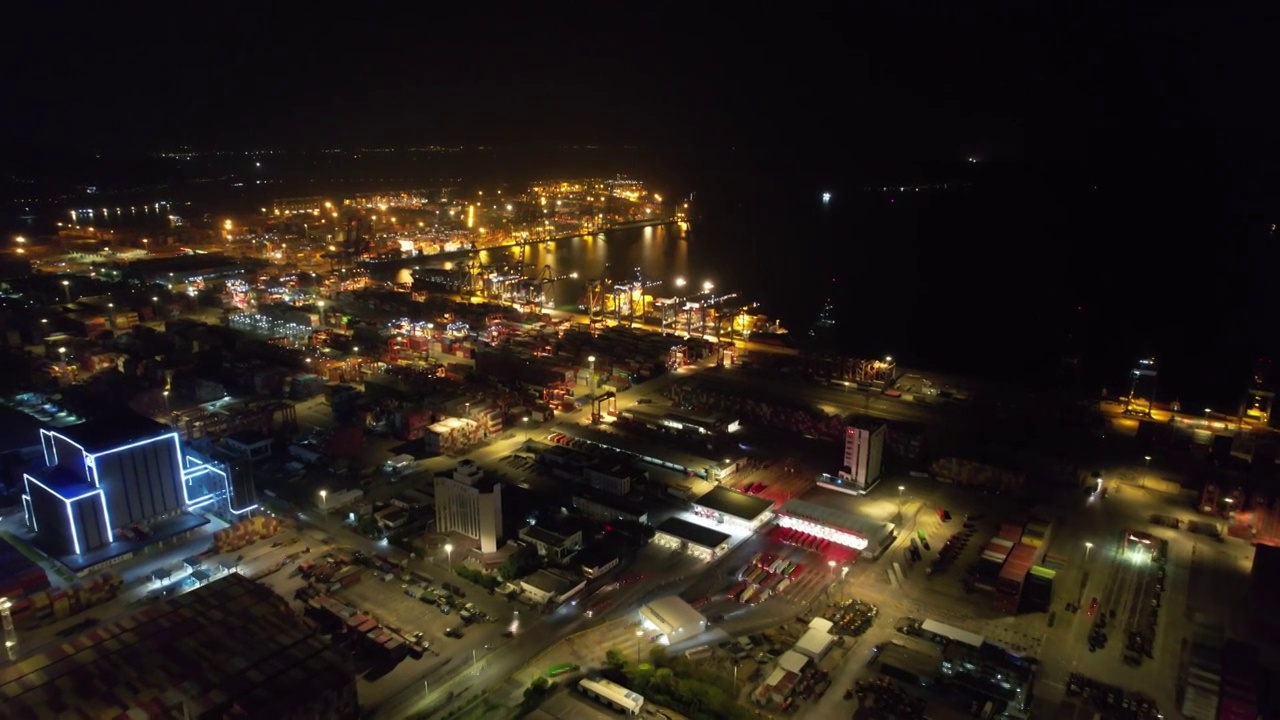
[546,536]
[113,430]
[732,502]
[864,527]
[656,453]
[229,647]
[674,613]
[65,483]
[916,662]
[548,582]
[691,532]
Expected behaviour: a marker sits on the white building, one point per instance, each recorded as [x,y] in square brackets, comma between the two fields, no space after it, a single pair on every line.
[550,586]
[470,504]
[673,619]
[863,450]
[817,641]
[696,540]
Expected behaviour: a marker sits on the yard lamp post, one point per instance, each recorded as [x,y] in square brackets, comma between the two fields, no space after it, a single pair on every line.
[525,422]
[166,401]
[66,288]
[448,551]
[324,504]
[901,488]
[1087,547]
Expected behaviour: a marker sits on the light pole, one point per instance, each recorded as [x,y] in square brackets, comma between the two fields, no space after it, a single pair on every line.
[320,304]
[166,401]
[1147,458]
[324,503]
[448,551]
[525,422]
[591,379]
[639,634]
[1087,547]
[844,572]
[66,288]
[901,488]
[474,667]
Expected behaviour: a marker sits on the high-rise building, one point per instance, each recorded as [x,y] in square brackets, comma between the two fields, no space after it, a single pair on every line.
[470,504]
[106,485]
[863,450]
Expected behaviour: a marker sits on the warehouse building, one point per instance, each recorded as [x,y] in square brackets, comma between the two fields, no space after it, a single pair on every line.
[231,648]
[867,536]
[672,619]
[696,540]
[730,507]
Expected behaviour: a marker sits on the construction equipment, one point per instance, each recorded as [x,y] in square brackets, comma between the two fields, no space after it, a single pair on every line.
[604,403]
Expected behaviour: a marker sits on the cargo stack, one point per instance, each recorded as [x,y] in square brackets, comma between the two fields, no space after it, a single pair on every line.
[1013,576]
[19,574]
[1037,593]
[245,533]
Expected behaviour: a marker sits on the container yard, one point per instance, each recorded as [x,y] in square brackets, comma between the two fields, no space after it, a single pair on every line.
[705,397]
[26,585]
[1010,563]
[229,644]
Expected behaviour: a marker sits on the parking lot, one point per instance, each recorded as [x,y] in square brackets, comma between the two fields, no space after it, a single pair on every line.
[395,603]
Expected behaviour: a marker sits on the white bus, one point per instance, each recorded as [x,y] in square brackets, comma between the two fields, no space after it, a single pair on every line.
[613,695]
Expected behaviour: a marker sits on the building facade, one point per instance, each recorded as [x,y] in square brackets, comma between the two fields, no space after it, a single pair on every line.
[470,504]
[863,450]
[111,481]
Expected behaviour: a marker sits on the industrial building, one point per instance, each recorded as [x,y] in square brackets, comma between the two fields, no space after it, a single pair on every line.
[868,537]
[682,423]
[863,451]
[730,507]
[470,504]
[604,507]
[231,648]
[696,540]
[551,586]
[672,619]
[655,453]
[110,486]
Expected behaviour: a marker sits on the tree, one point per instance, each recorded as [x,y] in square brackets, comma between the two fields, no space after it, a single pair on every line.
[522,561]
[537,688]
[614,658]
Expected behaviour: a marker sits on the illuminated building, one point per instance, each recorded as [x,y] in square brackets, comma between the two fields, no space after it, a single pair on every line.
[470,504]
[112,485]
[672,619]
[863,449]
[868,537]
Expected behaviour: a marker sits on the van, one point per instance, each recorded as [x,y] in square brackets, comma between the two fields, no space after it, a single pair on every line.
[397,463]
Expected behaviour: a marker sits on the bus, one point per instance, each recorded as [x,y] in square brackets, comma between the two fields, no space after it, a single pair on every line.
[612,694]
[557,670]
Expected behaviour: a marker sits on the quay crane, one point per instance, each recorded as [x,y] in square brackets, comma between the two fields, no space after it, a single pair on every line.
[532,292]
[633,294]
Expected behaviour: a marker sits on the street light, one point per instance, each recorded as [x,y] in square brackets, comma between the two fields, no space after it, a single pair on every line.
[66,288]
[448,551]
[679,282]
[324,504]
[639,634]
[591,379]
[1087,547]
[708,286]
[166,401]
[525,420]
[900,489]
[1148,459]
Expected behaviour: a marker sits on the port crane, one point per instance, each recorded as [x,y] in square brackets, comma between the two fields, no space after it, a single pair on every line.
[532,292]
[633,294]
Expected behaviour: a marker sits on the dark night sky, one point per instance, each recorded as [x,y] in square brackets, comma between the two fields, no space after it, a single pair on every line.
[1170,113]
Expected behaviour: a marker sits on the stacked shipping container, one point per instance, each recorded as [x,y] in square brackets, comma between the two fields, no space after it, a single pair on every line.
[1033,541]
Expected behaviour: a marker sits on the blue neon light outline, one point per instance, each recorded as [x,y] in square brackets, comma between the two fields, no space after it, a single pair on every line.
[71,521]
[30,509]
